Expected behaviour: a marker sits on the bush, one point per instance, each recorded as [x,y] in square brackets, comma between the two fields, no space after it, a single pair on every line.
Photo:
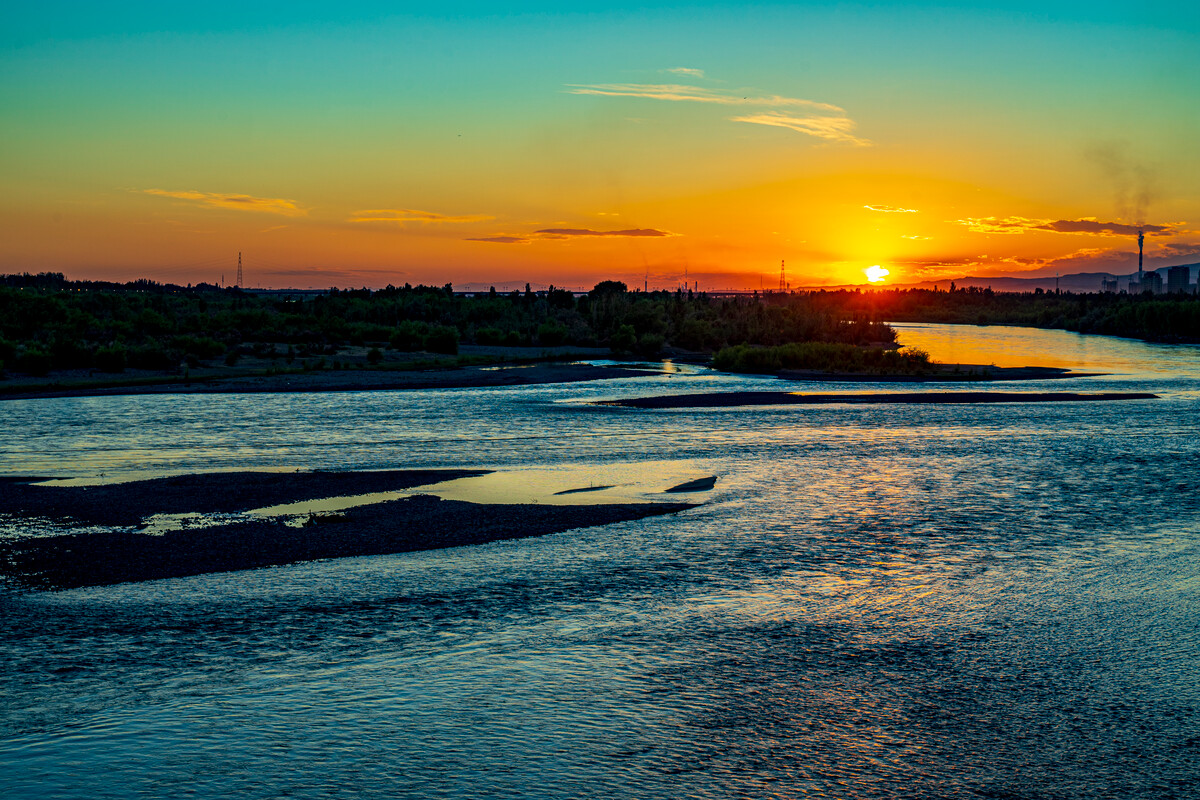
[551,334]
[33,361]
[825,356]
[197,347]
[442,339]
[409,335]
[367,332]
[150,356]
[489,336]
[374,356]
[624,340]
[67,353]
[650,345]
[111,358]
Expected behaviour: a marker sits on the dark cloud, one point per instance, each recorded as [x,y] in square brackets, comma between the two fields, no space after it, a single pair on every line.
[1178,250]
[1103,228]
[1086,225]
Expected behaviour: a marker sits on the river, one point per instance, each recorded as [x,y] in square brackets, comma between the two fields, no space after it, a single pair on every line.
[874,602]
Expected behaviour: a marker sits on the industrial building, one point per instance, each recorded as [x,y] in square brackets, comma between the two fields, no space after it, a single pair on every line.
[1179,279]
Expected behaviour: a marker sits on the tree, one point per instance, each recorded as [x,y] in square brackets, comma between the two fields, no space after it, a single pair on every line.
[608,287]
[624,340]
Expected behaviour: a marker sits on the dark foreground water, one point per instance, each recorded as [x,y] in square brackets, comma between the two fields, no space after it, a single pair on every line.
[878,601]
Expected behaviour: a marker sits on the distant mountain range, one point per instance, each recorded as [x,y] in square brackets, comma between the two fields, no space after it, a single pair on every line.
[1076,282]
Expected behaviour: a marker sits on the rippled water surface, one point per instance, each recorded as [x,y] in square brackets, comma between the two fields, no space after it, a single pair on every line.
[877,601]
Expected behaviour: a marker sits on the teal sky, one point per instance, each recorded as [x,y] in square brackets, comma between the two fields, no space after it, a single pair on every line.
[488,118]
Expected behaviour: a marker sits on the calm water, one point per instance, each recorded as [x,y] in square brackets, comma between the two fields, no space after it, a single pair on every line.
[891,601]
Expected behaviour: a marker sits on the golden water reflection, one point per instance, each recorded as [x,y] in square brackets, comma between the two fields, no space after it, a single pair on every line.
[1010,346]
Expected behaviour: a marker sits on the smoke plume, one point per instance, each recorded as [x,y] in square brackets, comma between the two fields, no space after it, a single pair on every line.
[1133,182]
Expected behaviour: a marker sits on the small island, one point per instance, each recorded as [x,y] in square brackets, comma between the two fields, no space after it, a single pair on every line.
[107,539]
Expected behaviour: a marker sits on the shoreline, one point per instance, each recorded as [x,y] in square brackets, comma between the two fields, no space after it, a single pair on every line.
[479,377]
[472,377]
[945,373]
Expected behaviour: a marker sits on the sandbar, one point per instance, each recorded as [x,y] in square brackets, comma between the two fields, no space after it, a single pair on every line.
[730,399]
[124,554]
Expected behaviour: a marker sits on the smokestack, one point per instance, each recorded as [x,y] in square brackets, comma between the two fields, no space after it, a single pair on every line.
[1141,238]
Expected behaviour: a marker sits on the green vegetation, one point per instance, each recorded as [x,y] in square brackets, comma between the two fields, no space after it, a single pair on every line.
[825,356]
[48,323]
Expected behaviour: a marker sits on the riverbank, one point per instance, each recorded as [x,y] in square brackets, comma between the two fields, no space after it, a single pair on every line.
[125,553]
[329,381]
[942,373]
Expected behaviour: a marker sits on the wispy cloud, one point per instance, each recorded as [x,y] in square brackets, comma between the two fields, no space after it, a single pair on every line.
[812,118]
[808,116]
[999,224]
[891,209]
[1087,225]
[693,94]
[500,239]
[403,215]
[239,202]
[834,128]
[569,232]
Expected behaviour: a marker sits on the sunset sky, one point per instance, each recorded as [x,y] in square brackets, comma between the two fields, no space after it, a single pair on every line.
[482,143]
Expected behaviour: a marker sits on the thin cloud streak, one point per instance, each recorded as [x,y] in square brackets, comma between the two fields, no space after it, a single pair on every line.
[822,120]
[891,209]
[557,233]
[693,94]
[238,202]
[402,215]
[837,129]
[499,239]
[568,233]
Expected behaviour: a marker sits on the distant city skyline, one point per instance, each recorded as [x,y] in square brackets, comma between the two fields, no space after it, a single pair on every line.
[369,145]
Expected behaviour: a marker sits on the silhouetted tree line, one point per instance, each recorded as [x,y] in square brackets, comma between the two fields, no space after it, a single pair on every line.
[48,322]
[1154,317]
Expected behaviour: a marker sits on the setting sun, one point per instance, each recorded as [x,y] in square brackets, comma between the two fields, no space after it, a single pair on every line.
[875,273]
